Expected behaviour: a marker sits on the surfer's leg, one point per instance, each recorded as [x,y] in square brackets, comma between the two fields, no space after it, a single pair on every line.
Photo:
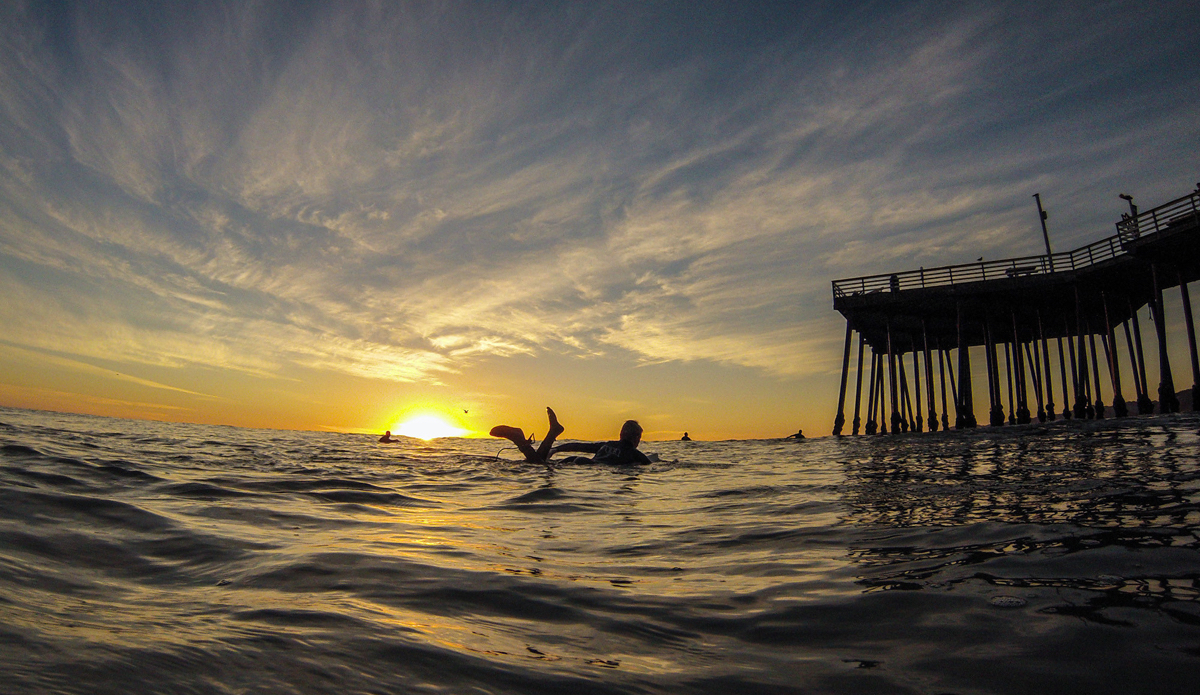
[516,436]
[556,429]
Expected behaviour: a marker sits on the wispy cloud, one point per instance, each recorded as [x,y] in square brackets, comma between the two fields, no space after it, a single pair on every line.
[393,191]
[85,368]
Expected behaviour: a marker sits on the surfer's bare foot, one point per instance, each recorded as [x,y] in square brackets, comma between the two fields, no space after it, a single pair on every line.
[512,434]
[555,428]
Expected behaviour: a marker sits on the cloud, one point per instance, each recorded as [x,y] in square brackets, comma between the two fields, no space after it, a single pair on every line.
[85,368]
[395,192]
[39,397]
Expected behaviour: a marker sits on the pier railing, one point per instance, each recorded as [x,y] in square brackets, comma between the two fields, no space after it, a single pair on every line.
[1181,212]
[1176,214]
[1063,261]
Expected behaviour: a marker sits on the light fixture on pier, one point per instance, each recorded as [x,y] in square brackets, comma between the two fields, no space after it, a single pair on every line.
[1129,199]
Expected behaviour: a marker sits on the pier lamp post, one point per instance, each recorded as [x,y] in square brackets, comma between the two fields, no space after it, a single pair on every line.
[1042,216]
[1129,199]
[1133,228]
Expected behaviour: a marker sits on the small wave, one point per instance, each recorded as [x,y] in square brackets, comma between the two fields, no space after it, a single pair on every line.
[93,510]
[392,499]
[538,508]
[50,479]
[340,571]
[126,472]
[752,492]
[81,551]
[196,549]
[20,450]
[543,501]
[203,491]
[301,485]
[296,618]
[540,495]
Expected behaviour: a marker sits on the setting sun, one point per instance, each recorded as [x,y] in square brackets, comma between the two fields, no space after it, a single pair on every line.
[428,427]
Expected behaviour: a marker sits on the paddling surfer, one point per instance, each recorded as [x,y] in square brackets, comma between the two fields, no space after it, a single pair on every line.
[622,451]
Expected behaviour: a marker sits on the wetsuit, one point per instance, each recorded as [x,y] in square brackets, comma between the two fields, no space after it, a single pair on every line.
[618,452]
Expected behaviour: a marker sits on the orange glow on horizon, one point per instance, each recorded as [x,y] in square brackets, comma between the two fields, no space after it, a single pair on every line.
[427,427]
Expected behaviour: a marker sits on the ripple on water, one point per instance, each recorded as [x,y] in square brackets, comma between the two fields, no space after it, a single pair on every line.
[1007,601]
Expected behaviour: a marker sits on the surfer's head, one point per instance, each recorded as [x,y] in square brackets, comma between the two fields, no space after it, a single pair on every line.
[631,432]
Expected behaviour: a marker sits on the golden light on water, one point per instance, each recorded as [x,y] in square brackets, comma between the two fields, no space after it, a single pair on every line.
[427,427]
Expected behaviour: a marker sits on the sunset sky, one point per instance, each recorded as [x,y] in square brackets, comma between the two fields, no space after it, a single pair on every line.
[337,215]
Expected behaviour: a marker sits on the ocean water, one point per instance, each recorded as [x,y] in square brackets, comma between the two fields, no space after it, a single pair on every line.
[142,557]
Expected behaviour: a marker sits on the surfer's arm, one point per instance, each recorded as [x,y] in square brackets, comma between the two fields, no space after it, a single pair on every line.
[639,457]
[582,447]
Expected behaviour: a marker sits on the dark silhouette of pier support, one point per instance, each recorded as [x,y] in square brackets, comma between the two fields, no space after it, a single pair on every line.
[1191,335]
[933,423]
[1012,310]
[841,416]
[857,422]
[1120,409]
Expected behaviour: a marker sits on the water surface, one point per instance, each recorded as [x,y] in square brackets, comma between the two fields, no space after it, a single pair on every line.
[150,557]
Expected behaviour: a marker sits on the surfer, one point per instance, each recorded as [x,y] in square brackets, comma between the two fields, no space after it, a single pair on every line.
[387,438]
[685,438]
[799,435]
[622,451]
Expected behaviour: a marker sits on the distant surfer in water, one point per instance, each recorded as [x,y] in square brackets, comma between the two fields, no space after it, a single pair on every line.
[621,451]
[799,435]
[685,438]
[387,438]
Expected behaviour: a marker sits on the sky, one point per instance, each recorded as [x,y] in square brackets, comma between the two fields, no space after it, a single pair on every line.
[336,216]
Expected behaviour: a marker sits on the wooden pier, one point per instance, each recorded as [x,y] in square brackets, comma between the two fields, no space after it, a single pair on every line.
[915,330]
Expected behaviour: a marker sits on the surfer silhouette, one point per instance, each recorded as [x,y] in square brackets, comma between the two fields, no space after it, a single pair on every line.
[623,450]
